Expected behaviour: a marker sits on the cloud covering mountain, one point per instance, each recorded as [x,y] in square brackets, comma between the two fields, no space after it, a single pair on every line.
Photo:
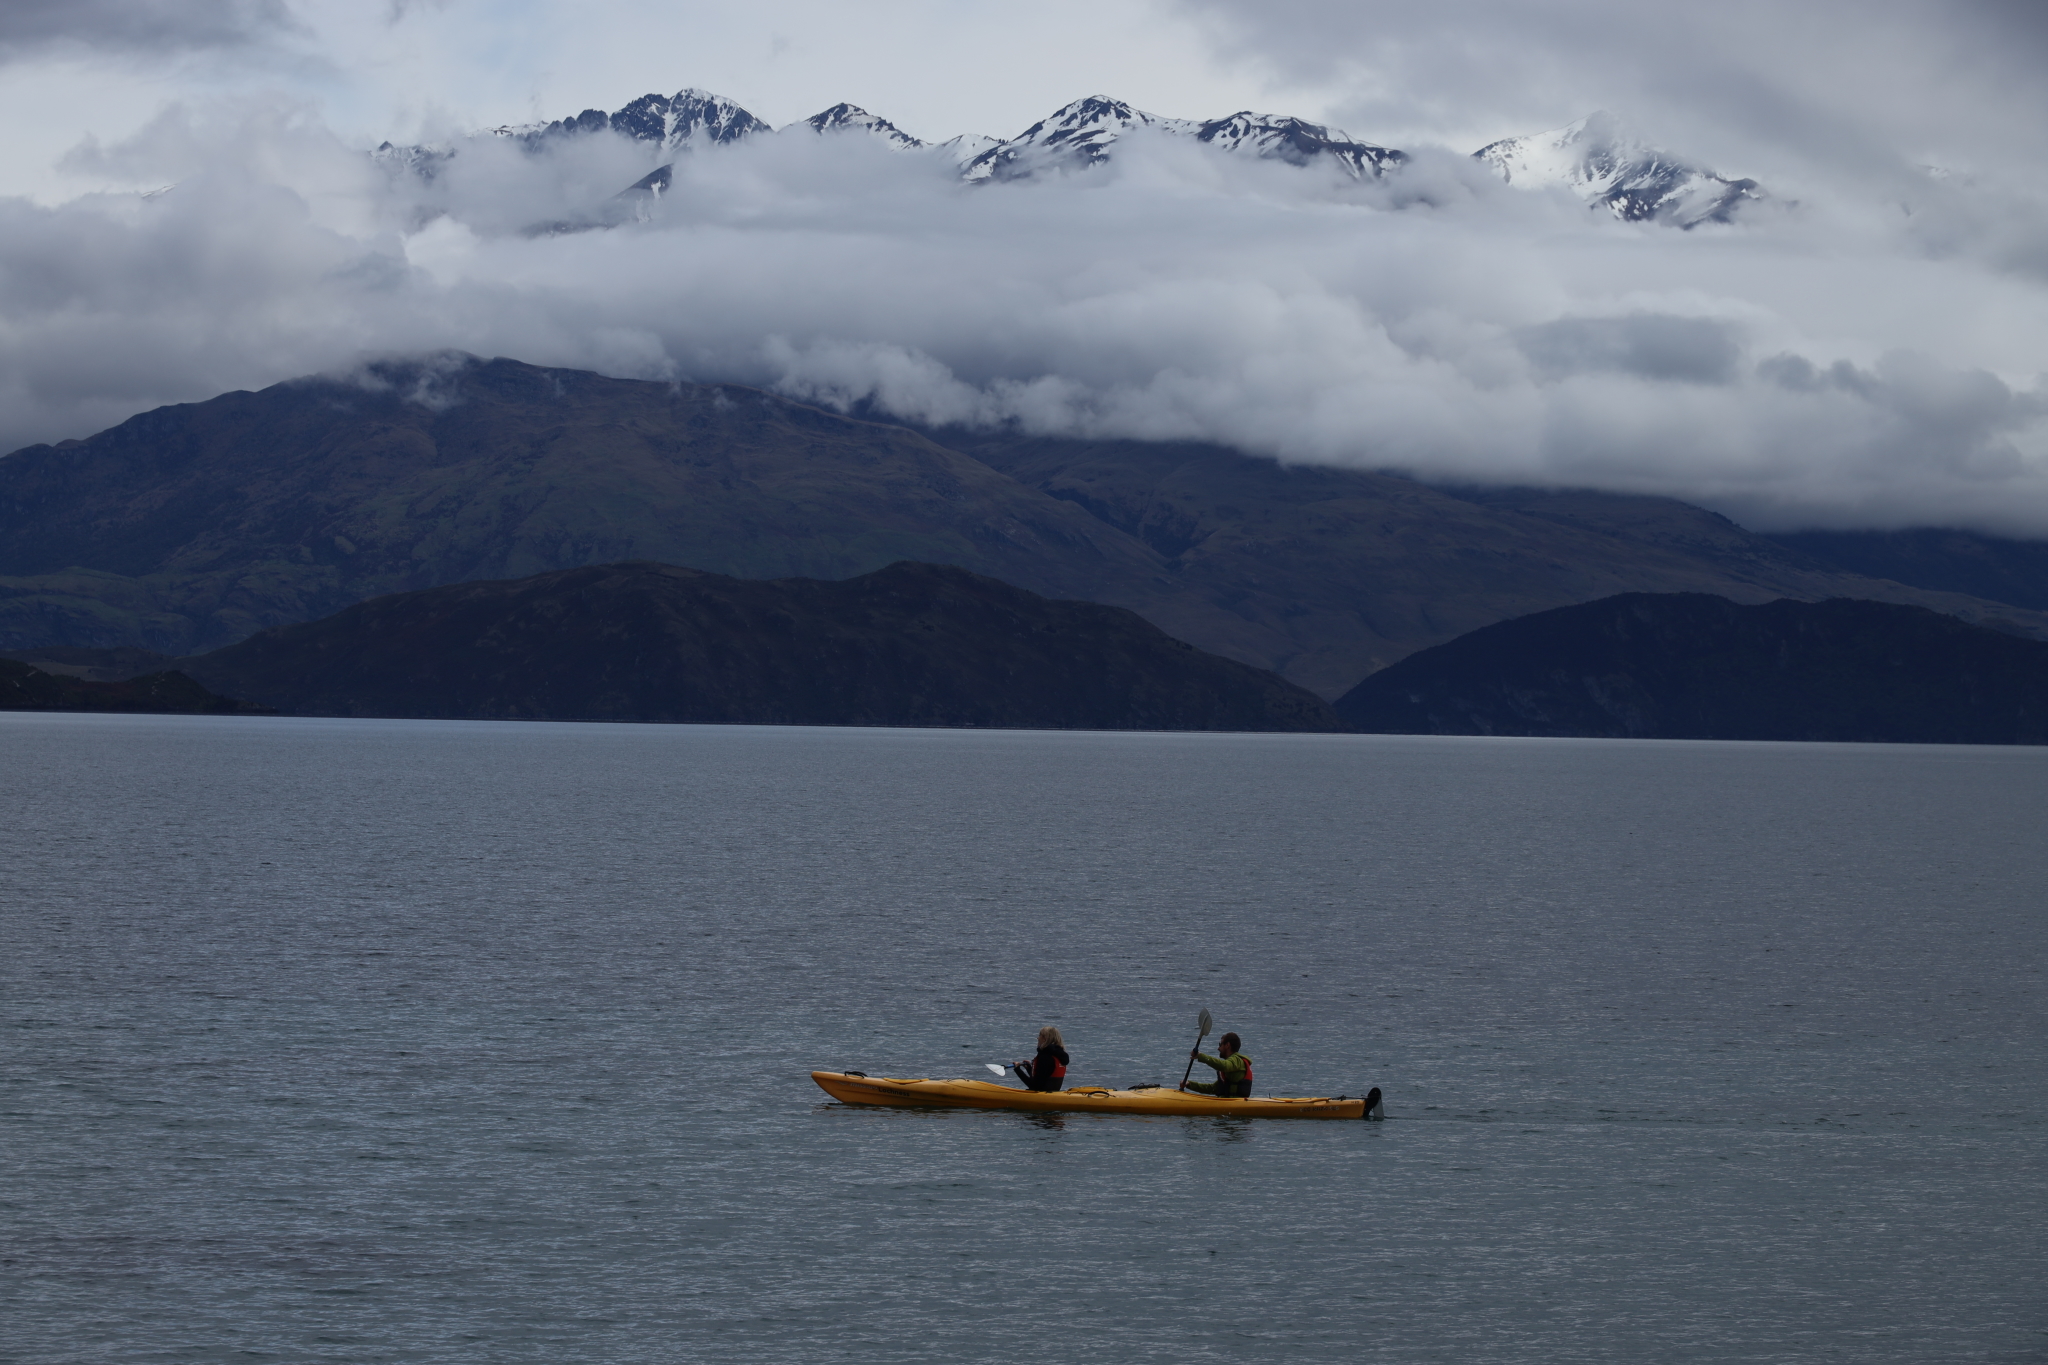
[1833,355]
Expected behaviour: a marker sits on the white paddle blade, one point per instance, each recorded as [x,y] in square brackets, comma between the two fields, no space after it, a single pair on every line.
[999,1070]
[1205,1022]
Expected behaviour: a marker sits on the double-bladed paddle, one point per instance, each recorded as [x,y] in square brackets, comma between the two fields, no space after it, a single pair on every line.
[1205,1021]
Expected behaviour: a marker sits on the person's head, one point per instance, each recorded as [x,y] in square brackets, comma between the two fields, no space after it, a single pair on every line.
[1228,1044]
[1050,1037]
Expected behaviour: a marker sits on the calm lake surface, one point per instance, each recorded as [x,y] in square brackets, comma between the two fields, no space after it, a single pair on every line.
[340,1041]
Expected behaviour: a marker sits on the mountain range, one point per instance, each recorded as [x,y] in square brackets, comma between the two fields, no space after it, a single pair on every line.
[1696,666]
[1594,158]
[194,526]
[1999,568]
[910,644]
[27,688]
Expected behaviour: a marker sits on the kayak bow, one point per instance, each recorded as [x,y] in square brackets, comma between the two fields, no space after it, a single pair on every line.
[903,1092]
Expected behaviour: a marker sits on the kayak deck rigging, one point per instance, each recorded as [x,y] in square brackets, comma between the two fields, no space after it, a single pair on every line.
[852,1087]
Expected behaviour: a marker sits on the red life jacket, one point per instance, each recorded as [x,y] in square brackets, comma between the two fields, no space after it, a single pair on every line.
[1236,1090]
[1048,1072]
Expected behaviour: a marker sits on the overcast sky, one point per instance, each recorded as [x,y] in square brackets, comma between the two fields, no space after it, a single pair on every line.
[1868,350]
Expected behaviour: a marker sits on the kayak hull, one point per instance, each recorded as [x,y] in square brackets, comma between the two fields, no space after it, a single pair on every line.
[920,1093]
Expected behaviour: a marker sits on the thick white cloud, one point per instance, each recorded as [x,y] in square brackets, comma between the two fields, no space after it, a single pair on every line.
[1866,350]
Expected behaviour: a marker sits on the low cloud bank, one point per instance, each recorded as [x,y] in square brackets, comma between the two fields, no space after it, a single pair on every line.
[1838,361]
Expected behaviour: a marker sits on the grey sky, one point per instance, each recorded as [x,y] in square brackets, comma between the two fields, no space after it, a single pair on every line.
[29,28]
[1870,79]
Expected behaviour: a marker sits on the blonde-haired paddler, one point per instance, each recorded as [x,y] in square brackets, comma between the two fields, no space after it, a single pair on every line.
[1048,1070]
[1233,1070]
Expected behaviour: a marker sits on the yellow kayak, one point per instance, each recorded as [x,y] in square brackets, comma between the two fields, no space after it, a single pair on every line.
[852,1087]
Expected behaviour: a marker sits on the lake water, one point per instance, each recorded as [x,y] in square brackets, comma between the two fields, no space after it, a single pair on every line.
[365,1041]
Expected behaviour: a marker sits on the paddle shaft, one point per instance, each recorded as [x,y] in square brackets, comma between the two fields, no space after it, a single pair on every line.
[1191,1061]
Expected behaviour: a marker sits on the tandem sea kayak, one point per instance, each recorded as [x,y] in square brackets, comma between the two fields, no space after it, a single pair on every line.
[852,1087]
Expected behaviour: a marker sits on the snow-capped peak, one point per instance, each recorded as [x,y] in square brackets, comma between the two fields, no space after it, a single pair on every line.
[1078,135]
[962,150]
[852,118]
[1082,134]
[687,118]
[1296,142]
[1596,159]
[683,119]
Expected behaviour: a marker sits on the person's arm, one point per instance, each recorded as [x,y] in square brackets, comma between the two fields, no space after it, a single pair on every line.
[1206,1060]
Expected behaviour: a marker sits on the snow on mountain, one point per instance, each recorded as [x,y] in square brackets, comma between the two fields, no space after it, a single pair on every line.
[1596,160]
[851,118]
[423,161]
[652,185]
[697,117]
[1075,137]
[1297,143]
[687,118]
[1082,134]
[965,148]
[1593,157]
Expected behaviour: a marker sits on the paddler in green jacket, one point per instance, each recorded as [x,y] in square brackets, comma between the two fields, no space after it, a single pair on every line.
[1233,1070]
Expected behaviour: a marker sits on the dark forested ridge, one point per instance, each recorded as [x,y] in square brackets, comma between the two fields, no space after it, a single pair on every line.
[1695,666]
[24,687]
[1999,568]
[911,644]
[194,526]
[93,665]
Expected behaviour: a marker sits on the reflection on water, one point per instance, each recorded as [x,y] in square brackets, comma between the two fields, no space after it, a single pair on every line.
[1219,1130]
[395,1042]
